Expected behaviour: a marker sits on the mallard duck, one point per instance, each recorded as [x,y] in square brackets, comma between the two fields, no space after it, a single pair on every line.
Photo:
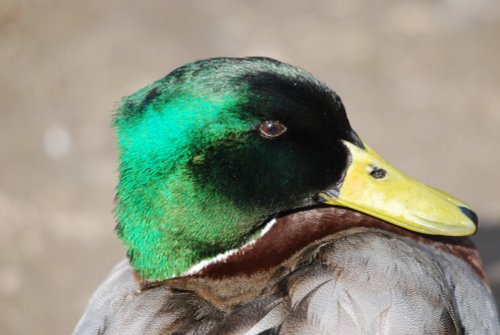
[248,205]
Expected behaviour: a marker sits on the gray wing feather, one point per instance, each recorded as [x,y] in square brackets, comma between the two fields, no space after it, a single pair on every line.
[362,283]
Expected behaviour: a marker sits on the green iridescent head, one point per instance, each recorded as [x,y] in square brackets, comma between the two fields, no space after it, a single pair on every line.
[213,150]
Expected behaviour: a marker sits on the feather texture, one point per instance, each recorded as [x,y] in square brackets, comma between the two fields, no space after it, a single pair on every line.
[356,282]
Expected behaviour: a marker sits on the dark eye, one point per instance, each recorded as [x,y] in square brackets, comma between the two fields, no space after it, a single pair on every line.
[271,129]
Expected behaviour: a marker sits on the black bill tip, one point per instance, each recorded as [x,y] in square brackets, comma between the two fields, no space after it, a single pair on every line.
[470,214]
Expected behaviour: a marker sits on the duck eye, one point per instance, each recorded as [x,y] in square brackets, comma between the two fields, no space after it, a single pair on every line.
[271,129]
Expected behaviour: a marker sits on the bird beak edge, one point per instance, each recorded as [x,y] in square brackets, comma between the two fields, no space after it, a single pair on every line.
[372,186]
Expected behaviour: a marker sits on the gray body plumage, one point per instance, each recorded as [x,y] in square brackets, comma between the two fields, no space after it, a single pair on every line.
[355,282]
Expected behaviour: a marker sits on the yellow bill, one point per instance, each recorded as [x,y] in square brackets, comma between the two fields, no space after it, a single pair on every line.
[372,186]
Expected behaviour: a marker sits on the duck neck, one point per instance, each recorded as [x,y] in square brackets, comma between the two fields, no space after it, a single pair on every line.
[171,227]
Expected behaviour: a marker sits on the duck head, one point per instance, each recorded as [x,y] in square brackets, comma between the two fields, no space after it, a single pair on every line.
[213,151]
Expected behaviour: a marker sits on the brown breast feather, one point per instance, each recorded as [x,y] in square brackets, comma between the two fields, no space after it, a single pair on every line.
[295,231]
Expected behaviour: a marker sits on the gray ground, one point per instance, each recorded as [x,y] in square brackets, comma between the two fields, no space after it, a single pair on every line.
[421,81]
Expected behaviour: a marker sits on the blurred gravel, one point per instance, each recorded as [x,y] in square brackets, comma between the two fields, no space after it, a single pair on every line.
[421,82]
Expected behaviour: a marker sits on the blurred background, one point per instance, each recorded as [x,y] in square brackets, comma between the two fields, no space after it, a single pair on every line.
[421,82]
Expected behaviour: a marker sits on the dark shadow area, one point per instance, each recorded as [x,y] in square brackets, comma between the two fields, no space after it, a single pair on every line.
[487,240]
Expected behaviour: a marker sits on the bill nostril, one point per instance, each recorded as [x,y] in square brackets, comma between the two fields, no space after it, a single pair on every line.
[470,214]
